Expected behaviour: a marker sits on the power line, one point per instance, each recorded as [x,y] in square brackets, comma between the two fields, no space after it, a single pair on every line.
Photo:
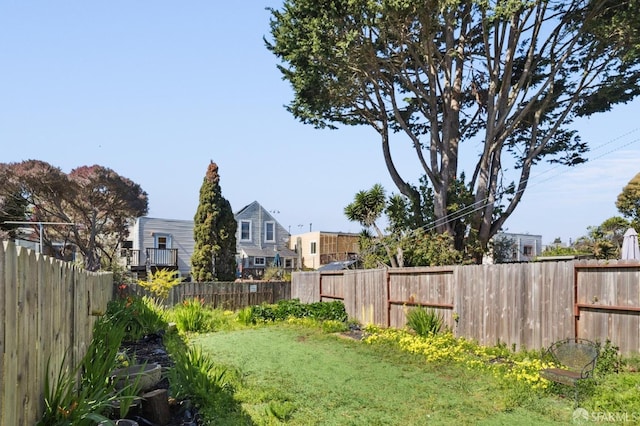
[479,205]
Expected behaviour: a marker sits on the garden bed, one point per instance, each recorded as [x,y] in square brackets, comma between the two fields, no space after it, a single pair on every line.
[151,350]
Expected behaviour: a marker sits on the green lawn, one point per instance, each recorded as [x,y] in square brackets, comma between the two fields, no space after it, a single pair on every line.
[304,377]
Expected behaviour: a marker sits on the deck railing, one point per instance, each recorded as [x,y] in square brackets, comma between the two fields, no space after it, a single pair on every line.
[162,257]
[154,257]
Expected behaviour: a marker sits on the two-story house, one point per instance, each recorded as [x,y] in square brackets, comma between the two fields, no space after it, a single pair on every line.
[156,243]
[159,244]
[318,248]
[261,242]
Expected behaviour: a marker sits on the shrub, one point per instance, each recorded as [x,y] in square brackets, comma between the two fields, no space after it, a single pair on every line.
[284,309]
[137,316]
[191,316]
[161,282]
[609,360]
[424,322]
[245,316]
[328,311]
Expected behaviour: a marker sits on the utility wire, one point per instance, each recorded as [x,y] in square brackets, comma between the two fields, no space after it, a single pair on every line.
[479,205]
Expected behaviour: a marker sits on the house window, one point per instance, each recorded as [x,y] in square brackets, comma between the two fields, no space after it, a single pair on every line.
[270,232]
[527,250]
[313,247]
[245,230]
[259,261]
[162,241]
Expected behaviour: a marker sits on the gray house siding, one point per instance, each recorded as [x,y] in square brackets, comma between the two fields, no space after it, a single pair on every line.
[266,240]
[260,237]
[179,233]
[258,217]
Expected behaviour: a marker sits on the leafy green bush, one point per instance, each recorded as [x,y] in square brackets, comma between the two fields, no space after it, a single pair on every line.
[191,316]
[609,360]
[245,316]
[424,322]
[138,316]
[262,313]
[284,309]
[328,311]
[161,282]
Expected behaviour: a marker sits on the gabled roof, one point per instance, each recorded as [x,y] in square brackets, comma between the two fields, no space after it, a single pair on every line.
[247,207]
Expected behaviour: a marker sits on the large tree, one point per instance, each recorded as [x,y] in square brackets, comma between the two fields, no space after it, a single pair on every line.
[628,202]
[96,203]
[503,80]
[214,255]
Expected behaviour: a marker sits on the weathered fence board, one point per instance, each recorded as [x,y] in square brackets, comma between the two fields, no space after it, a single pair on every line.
[45,312]
[608,301]
[331,287]
[370,287]
[523,305]
[412,287]
[307,289]
[226,295]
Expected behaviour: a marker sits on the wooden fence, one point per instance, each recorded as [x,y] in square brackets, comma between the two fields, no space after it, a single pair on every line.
[47,312]
[227,295]
[524,305]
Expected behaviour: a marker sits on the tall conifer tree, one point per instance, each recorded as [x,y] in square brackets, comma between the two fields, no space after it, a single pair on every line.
[214,233]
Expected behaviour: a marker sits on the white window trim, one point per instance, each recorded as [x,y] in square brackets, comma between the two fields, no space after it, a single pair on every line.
[250,226]
[262,262]
[156,239]
[313,244]
[273,240]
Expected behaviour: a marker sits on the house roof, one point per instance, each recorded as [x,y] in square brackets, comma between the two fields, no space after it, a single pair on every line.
[246,207]
[337,266]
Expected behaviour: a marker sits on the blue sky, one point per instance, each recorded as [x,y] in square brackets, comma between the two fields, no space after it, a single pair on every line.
[157,89]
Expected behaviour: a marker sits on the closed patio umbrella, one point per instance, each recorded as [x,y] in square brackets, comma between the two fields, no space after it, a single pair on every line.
[630,249]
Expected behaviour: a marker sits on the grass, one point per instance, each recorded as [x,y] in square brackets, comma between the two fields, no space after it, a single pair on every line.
[301,376]
[253,371]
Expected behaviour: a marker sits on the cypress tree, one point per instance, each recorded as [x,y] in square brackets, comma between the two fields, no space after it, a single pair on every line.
[214,232]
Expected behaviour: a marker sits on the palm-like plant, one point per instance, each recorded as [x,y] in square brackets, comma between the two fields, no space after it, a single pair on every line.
[366,209]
